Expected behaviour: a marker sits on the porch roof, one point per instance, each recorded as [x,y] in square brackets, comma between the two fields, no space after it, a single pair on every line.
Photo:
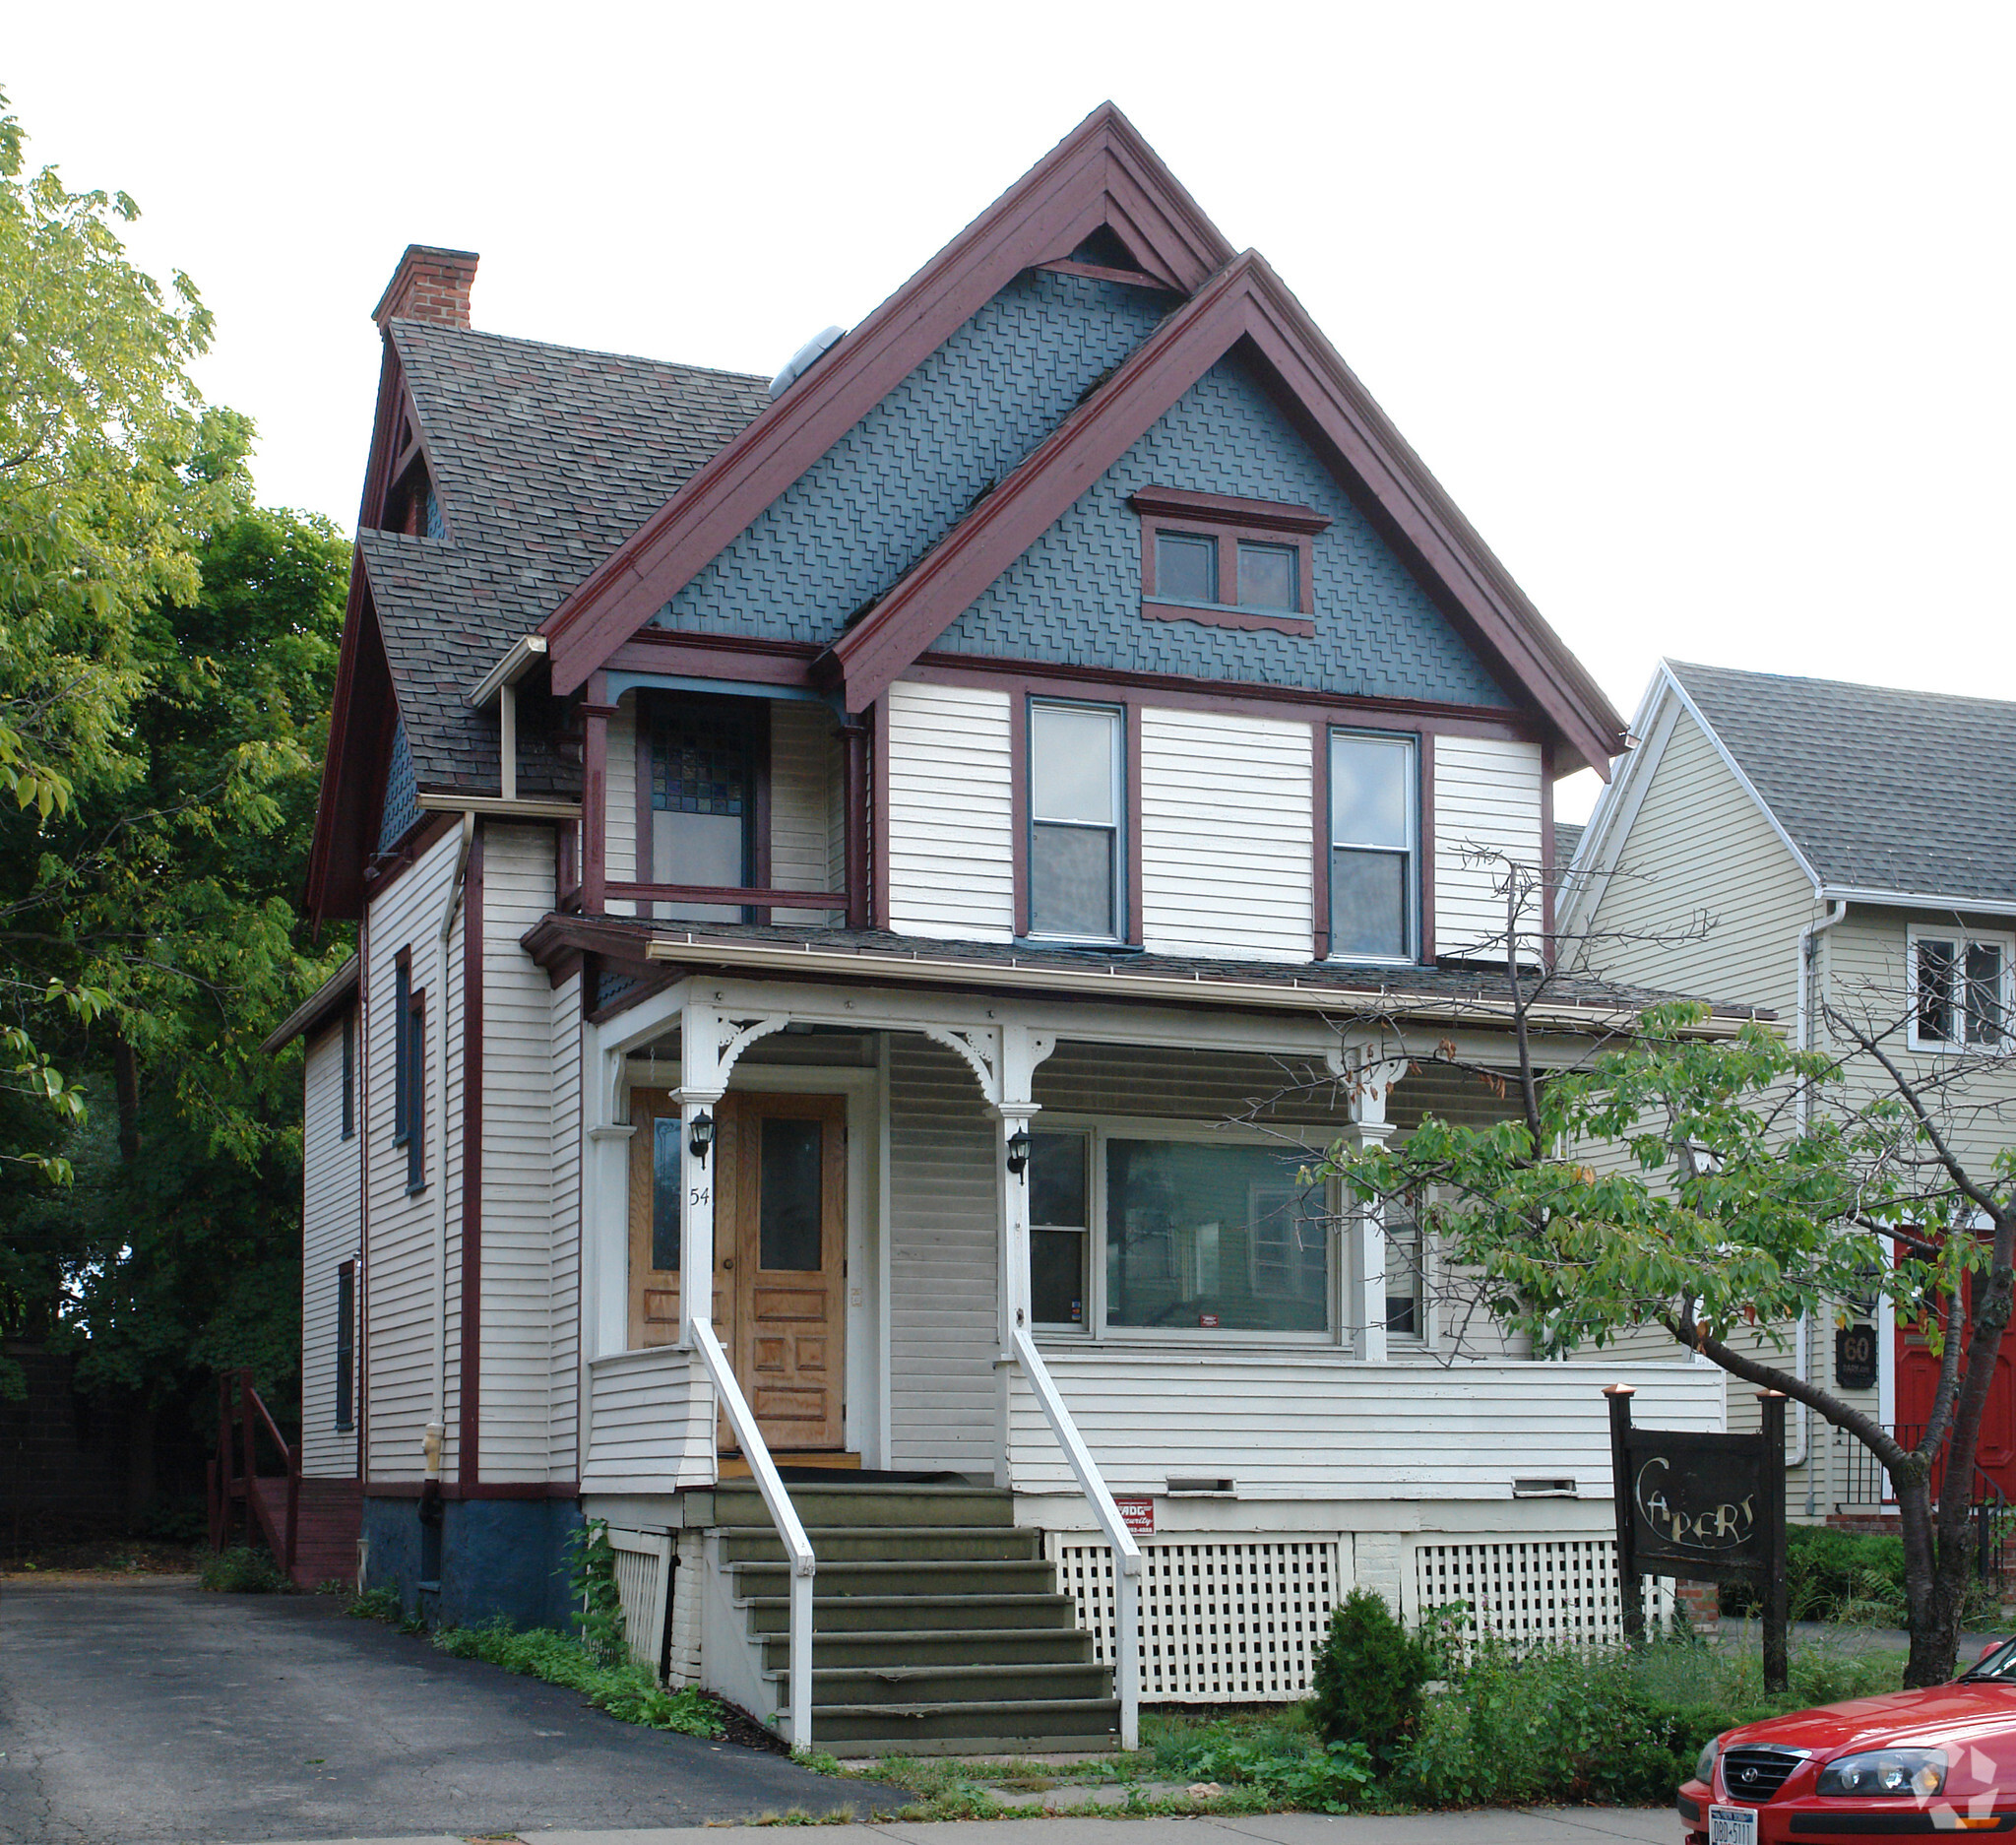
[1447,990]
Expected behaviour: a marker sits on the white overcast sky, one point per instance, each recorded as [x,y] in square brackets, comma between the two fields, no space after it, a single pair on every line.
[1702,312]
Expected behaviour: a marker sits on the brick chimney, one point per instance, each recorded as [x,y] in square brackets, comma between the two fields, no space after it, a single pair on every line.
[429,284]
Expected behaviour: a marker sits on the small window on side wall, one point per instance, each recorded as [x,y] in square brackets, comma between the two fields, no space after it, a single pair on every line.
[1373,828]
[346,1345]
[1075,803]
[1960,989]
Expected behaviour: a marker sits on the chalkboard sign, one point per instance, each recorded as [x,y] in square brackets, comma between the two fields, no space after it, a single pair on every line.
[1854,1358]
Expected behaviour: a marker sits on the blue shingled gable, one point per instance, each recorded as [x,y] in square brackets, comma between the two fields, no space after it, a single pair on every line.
[903,475]
[1073,596]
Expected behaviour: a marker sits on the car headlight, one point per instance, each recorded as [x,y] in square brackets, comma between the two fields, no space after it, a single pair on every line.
[1887,1773]
[1704,1766]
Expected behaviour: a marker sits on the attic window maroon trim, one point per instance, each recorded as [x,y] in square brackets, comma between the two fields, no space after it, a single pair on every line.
[1226,522]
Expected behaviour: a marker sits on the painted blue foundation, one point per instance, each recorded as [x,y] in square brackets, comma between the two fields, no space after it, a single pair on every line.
[498,1557]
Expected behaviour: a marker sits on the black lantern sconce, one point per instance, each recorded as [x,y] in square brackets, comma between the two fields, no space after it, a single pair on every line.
[1018,1151]
[701,1137]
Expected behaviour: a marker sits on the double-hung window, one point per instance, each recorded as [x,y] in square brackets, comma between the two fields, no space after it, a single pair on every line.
[349,1075]
[1076,801]
[346,1345]
[1374,827]
[1960,989]
[702,772]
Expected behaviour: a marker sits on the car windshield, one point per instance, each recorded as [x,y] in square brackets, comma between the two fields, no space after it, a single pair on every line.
[1999,1664]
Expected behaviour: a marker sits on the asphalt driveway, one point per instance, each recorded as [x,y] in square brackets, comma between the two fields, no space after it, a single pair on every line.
[154,1714]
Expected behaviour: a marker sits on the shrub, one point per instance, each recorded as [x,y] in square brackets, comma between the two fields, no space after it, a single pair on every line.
[1370,1671]
[242,1570]
[1832,1575]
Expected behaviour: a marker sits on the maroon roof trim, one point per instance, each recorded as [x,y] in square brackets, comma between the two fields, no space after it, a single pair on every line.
[1101,173]
[1246,306]
[360,716]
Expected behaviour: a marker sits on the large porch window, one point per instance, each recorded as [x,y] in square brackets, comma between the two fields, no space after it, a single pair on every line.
[1134,1231]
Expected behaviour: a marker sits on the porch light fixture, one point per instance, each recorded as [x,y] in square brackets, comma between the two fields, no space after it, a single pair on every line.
[702,1136]
[1018,1151]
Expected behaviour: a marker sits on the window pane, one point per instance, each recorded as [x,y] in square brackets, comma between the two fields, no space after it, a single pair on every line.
[698,849]
[665,1198]
[1071,882]
[1372,790]
[1984,993]
[1057,1180]
[1403,1277]
[1935,999]
[788,1215]
[1072,759]
[1219,1236]
[1185,568]
[1368,903]
[1267,575]
[1056,1277]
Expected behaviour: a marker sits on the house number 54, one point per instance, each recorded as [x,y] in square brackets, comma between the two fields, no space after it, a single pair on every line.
[700,1194]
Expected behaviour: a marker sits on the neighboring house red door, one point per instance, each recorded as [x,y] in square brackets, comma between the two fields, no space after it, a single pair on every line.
[1918,1378]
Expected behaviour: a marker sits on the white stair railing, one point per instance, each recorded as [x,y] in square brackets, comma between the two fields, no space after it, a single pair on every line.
[1126,1553]
[782,1514]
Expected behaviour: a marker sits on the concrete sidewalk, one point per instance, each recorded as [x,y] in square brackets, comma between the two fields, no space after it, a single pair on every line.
[1553,1825]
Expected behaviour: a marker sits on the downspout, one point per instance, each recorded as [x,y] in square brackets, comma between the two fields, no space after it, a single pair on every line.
[436,1437]
[1802,1032]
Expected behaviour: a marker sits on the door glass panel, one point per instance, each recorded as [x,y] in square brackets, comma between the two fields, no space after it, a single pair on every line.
[789,1188]
[664,1191]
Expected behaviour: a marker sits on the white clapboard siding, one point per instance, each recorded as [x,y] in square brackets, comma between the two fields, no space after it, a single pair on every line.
[943,1225]
[1486,799]
[402,1327]
[515,1412]
[1318,1425]
[951,819]
[331,1226]
[650,1429]
[620,857]
[1225,836]
[800,803]
[563,1459]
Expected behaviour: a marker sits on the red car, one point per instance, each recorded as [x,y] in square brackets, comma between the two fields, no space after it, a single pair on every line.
[1907,1762]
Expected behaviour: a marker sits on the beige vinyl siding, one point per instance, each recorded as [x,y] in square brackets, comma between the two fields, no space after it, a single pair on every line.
[401,1321]
[620,859]
[1486,799]
[330,1233]
[515,1408]
[800,803]
[951,813]
[1227,836]
[1318,1425]
[944,1216]
[651,1424]
[1699,848]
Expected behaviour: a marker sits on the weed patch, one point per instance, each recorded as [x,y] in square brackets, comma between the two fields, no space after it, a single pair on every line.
[627,1691]
[242,1570]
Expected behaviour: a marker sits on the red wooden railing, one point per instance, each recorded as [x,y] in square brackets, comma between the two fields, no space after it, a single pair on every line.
[239,1418]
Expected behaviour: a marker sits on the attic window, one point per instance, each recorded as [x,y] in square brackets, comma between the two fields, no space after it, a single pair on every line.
[1225,562]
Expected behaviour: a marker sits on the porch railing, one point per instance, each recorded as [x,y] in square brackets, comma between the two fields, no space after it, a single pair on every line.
[782,1514]
[1988,1506]
[1126,1553]
[235,1473]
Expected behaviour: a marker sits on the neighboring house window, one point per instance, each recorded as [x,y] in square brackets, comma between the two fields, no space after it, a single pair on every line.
[346,1346]
[409,1072]
[349,1075]
[1374,827]
[702,772]
[1404,1305]
[1060,1229]
[1227,562]
[1960,989]
[1076,797]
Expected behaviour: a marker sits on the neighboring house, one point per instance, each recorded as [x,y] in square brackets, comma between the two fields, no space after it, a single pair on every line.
[1823,845]
[886,841]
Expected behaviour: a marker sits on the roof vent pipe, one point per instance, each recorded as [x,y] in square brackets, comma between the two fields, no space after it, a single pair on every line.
[804,358]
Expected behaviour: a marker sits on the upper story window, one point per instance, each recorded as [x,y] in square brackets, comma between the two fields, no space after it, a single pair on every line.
[349,1075]
[702,776]
[410,1071]
[1076,799]
[1227,562]
[1374,827]
[1960,988]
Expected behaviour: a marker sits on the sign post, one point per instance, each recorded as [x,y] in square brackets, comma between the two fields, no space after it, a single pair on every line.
[1703,1507]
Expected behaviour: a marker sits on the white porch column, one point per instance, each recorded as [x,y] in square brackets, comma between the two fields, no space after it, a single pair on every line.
[701,1086]
[1365,1233]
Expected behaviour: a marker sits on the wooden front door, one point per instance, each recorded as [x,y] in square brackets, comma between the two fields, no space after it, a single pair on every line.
[780,1247]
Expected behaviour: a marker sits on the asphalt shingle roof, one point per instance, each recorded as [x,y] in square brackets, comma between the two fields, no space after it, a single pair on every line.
[545,458]
[1881,788]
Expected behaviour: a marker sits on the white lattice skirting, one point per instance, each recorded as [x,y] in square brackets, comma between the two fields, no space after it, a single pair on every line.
[643,1578]
[1236,1621]
[1530,1591]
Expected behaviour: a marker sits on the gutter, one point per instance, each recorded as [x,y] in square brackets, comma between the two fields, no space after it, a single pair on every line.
[1291,997]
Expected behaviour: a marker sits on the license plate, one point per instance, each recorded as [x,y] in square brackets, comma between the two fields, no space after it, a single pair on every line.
[1731,1825]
